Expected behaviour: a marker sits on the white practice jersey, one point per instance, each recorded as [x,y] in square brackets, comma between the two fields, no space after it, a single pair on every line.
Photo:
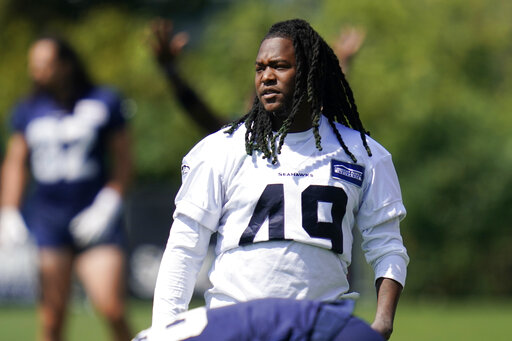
[285,230]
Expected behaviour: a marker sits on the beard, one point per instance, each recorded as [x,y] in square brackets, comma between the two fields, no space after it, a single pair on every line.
[279,116]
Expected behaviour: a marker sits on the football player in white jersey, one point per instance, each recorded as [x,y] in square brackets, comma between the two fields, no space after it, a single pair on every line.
[283,187]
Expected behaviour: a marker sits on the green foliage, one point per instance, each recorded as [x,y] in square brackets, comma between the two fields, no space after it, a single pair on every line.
[431,83]
[12,68]
[114,46]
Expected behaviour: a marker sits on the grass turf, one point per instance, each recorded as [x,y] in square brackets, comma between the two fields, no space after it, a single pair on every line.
[419,320]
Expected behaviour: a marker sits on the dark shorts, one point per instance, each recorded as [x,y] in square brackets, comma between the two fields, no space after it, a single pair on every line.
[336,322]
[49,224]
[285,319]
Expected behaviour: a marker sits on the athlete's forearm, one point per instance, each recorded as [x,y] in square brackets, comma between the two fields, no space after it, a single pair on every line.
[388,294]
[14,172]
[195,107]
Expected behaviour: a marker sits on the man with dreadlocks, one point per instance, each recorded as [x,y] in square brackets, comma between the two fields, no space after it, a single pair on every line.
[283,187]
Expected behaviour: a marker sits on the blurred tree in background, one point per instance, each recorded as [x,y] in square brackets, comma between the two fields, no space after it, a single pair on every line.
[431,83]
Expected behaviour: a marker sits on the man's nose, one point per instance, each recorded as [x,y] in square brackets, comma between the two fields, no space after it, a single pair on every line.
[268,75]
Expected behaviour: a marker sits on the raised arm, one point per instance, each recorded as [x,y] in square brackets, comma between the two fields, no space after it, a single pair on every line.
[166,47]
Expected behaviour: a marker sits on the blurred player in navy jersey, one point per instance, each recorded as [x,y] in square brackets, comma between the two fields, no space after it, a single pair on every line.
[283,187]
[73,135]
[267,319]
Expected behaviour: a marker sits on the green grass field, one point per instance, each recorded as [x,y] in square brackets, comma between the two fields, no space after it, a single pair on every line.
[450,321]
[417,321]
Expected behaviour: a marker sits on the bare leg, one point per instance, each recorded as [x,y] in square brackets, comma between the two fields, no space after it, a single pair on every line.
[101,271]
[55,272]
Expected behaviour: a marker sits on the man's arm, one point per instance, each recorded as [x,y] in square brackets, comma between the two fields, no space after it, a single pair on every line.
[387,255]
[14,171]
[121,152]
[166,47]
[388,294]
[183,257]
[12,227]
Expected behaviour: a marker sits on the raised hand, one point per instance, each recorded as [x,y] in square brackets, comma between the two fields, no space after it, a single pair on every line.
[166,45]
[348,43]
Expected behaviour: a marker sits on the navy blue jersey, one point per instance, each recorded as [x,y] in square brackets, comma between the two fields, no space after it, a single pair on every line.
[67,149]
[67,156]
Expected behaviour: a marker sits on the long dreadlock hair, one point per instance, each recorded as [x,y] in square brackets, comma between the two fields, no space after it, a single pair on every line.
[319,80]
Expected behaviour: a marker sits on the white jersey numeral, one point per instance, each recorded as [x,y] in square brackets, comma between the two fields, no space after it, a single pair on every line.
[60,146]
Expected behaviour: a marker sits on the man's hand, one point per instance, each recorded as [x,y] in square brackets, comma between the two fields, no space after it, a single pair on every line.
[388,294]
[384,328]
[348,43]
[166,46]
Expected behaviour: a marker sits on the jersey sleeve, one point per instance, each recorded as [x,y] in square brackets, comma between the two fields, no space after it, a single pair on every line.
[382,198]
[384,250]
[183,257]
[117,113]
[378,220]
[201,194]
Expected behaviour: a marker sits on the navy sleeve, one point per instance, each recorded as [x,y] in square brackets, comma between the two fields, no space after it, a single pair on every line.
[113,101]
[117,117]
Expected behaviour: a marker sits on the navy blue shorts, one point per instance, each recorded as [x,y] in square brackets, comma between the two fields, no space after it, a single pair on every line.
[285,319]
[49,224]
[335,322]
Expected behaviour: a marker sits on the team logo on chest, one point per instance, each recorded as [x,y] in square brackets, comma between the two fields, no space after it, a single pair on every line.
[295,174]
[348,172]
